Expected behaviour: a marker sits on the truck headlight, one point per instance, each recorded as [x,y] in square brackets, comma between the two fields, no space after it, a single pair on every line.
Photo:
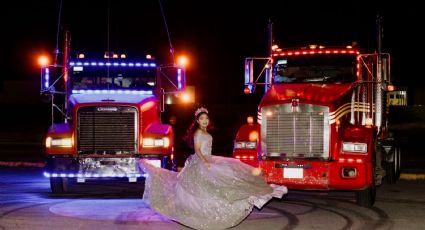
[245,145]
[156,142]
[354,147]
[59,142]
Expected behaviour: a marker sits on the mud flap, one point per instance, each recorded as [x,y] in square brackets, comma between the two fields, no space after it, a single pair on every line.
[58,184]
[366,197]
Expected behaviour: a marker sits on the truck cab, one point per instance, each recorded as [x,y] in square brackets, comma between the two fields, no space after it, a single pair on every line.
[321,122]
[106,116]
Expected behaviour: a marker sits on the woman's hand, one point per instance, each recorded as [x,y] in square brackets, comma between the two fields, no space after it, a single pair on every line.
[207,164]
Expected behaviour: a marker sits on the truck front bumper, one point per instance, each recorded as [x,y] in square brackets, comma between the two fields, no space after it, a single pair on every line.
[95,167]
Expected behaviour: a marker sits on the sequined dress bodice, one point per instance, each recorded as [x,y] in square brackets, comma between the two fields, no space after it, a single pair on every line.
[205,140]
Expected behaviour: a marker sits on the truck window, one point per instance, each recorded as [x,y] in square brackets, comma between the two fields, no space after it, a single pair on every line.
[118,79]
[315,69]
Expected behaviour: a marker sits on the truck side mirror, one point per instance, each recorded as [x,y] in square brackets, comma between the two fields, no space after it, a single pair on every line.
[45,79]
[50,80]
[249,74]
[172,78]
[259,68]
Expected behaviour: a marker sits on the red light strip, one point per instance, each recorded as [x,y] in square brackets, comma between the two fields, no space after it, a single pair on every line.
[304,52]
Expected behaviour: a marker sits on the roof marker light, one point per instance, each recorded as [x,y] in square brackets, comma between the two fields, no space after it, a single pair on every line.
[115,64]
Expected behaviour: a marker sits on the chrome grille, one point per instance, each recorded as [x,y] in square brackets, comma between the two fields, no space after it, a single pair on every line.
[301,132]
[107,130]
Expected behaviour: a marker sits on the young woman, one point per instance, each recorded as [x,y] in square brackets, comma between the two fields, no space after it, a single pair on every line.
[210,192]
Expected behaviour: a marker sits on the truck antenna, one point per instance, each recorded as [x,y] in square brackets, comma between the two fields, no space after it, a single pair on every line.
[109,10]
[57,34]
[379,31]
[268,73]
[168,32]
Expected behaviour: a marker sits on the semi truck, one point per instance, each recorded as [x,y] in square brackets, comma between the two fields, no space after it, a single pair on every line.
[106,115]
[322,123]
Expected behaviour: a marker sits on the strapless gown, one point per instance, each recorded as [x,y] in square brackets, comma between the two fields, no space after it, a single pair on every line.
[218,197]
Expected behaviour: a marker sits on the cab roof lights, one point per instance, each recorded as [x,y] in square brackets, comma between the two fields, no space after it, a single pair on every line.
[115,64]
[320,51]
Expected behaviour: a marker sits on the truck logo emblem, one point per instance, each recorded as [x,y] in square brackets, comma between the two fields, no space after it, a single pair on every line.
[295,103]
[107,109]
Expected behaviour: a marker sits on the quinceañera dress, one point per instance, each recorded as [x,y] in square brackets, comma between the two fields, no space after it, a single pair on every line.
[218,197]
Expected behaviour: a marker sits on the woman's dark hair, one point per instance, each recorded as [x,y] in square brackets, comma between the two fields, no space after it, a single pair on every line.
[188,138]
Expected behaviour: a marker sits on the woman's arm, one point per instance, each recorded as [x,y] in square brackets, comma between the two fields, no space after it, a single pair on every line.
[197,143]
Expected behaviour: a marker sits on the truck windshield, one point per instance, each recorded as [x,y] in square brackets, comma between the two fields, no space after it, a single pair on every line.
[321,68]
[115,78]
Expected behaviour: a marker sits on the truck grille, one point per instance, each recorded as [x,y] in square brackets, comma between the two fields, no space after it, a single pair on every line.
[107,130]
[301,132]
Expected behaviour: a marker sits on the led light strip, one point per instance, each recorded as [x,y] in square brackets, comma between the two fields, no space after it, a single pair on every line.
[115,64]
[105,91]
[305,52]
[92,175]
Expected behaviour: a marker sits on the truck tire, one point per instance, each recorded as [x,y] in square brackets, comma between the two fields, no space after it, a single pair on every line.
[58,184]
[366,197]
[390,173]
[393,168]
[398,165]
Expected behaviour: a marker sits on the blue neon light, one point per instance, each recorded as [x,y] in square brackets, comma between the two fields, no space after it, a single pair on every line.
[105,91]
[179,78]
[94,175]
[46,78]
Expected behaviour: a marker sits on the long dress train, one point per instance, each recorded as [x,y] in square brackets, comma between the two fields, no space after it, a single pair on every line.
[218,197]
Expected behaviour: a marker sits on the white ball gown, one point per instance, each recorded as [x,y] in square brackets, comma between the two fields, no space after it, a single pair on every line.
[217,197]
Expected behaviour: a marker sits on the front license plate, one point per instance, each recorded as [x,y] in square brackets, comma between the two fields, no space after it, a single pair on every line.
[293,172]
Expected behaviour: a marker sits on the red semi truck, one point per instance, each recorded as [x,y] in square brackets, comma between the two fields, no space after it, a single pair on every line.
[109,111]
[322,123]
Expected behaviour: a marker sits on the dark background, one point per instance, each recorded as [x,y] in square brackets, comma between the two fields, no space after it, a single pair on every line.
[215,35]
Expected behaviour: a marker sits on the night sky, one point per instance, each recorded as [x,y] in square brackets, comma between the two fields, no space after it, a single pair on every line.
[215,35]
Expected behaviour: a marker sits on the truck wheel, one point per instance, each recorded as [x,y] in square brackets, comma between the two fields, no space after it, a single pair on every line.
[398,166]
[366,197]
[58,184]
[390,173]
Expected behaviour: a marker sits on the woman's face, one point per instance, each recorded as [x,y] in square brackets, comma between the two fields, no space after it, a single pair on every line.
[203,121]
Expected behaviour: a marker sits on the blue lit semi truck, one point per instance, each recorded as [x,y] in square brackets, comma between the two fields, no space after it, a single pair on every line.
[109,116]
